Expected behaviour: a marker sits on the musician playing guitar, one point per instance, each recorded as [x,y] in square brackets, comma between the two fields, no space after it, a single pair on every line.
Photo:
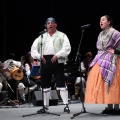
[14,70]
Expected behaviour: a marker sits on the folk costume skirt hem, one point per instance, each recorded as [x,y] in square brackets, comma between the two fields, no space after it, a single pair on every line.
[96,89]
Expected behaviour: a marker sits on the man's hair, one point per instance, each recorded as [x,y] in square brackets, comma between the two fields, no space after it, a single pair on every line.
[50,19]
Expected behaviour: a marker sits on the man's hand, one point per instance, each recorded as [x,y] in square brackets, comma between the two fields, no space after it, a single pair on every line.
[43,59]
[54,59]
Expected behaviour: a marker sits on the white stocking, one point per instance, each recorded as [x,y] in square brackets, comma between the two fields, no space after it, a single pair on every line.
[30,89]
[46,97]
[1,86]
[22,94]
[64,96]
[21,90]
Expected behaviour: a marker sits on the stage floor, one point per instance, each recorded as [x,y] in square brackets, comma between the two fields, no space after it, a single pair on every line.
[21,112]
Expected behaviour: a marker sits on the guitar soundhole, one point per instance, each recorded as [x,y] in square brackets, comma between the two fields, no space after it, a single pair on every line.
[19,71]
[17,76]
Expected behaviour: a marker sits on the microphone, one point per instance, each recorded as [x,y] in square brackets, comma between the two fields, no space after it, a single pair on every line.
[42,32]
[85,26]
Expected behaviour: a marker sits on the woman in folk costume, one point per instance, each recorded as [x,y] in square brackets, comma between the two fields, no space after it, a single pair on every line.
[103,82]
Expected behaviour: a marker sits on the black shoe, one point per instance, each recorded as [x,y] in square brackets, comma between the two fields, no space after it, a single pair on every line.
[22,101]
[43,110]
[108,112]
[116,112]
[46,107]
[66,109]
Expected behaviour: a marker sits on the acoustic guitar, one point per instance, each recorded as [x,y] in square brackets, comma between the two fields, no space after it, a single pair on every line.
[17,73]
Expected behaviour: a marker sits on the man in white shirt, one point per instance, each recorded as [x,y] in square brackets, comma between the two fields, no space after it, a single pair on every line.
[53,49]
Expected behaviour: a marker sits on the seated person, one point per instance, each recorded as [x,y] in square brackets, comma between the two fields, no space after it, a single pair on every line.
[76,80]
[79,83]
[29,62]
[83,68]
[21,85]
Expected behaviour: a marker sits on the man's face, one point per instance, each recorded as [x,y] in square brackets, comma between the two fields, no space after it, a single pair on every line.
[51,26]
[89,58]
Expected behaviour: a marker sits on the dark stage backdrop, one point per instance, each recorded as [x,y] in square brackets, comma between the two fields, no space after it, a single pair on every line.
[22,20]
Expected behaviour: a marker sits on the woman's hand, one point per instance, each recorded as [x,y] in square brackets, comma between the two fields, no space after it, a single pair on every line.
[111,51]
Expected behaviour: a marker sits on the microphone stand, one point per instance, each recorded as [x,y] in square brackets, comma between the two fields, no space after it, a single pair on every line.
[41,111]
[82,86]
[7,100]
[28,88]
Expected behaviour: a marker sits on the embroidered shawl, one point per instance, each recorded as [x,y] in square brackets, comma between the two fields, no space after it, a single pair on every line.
[107,39]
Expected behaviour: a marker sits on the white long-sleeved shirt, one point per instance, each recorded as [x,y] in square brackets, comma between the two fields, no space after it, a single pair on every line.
[60,46]
[10,64]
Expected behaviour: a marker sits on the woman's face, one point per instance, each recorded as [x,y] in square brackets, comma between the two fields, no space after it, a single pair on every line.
[30,58]
[104,23]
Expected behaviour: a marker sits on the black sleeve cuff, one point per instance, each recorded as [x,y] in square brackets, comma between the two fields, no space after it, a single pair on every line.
[117,52]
